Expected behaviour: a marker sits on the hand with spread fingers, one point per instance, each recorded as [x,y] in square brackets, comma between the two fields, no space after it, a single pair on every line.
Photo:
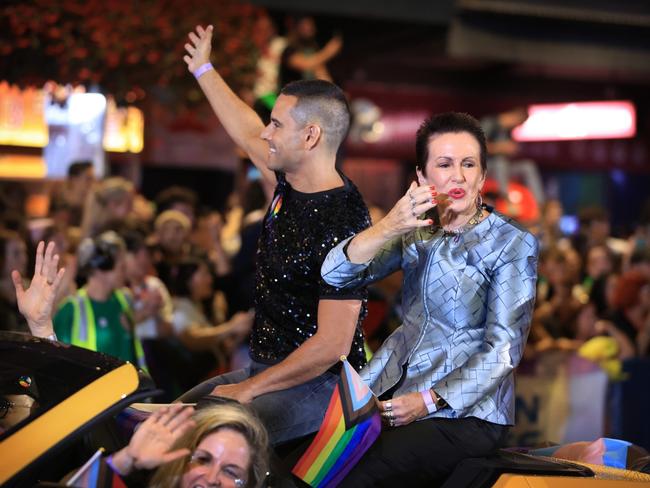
[37,301]
[199,48]
[405,215]
[151,443]
[402,410]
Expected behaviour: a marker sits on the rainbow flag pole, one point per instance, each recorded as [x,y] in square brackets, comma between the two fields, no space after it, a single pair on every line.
[351,424]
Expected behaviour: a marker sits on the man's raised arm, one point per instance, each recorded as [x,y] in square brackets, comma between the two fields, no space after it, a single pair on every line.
[240,121]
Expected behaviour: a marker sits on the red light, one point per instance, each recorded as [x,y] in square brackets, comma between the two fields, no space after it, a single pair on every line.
[580,120]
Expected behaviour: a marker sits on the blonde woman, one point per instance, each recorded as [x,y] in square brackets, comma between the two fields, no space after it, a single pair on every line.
[228,447]
[222,445]
[110,201]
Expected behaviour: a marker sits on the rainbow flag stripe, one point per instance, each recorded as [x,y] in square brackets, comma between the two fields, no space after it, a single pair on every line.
[276,205]
[350,426]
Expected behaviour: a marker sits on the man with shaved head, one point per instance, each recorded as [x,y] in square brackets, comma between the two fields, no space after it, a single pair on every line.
[302,325]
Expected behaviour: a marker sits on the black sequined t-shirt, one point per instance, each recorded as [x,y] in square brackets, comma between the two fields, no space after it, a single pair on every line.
[299,230]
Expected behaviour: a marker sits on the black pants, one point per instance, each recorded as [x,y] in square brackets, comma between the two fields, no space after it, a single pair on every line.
[424,453]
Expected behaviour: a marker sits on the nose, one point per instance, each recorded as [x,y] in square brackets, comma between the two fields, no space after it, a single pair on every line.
[213,476]
[266,133]
[459,173]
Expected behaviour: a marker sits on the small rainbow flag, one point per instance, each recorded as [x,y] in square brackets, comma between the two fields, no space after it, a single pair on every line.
[96,473]
[351,425]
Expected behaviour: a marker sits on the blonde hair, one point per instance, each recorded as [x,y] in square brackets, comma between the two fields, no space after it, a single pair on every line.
[209,420]
[172,216]
[111,189]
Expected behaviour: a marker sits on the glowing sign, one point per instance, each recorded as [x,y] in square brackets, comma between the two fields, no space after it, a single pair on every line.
[18,166]
[23,123]
[124,129]
[75,130]
[580,120]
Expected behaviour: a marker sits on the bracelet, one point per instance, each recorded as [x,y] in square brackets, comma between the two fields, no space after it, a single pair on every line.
[202,69]
[109,461]
[428,401]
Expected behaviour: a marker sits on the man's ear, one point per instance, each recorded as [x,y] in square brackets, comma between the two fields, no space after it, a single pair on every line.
[313,134]
[422,180]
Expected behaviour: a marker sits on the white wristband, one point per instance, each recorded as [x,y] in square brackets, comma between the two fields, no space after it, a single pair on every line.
[202,70]
[428,401]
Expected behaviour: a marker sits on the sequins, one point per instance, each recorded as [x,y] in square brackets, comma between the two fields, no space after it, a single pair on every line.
[292,247]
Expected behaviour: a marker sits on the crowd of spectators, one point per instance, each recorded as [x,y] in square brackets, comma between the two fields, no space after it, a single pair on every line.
[592,284]
[156,282]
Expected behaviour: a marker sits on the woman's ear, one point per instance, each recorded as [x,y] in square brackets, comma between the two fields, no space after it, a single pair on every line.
[422,180]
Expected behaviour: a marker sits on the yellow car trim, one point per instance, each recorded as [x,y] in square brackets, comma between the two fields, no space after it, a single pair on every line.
[531,481]
[25,446]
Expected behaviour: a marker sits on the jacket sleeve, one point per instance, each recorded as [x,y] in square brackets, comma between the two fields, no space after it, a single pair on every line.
[338,271]
[510,302]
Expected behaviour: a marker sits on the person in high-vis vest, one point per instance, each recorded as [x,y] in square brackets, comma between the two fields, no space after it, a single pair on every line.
[100,315]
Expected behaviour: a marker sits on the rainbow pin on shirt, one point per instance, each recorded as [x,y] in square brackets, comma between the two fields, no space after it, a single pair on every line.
[276,205]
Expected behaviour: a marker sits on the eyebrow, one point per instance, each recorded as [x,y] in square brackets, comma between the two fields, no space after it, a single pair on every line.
[208,453]
[451,158]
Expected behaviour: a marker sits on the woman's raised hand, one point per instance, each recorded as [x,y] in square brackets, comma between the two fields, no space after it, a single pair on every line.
[406,214]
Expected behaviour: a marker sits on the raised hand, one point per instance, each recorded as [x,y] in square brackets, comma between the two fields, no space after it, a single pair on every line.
[405,215]
[334,45]
[199,48]
[37,301]
[151,444]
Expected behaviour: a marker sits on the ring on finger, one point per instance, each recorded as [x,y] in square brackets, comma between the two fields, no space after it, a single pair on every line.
[388,406]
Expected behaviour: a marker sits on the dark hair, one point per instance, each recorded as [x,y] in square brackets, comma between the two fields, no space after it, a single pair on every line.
[588,215]
[640,255]
[444,123]
[324,103]
[177,277]
[78,167]
[175,194]
[100,253]
[598,295]
[134,240]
